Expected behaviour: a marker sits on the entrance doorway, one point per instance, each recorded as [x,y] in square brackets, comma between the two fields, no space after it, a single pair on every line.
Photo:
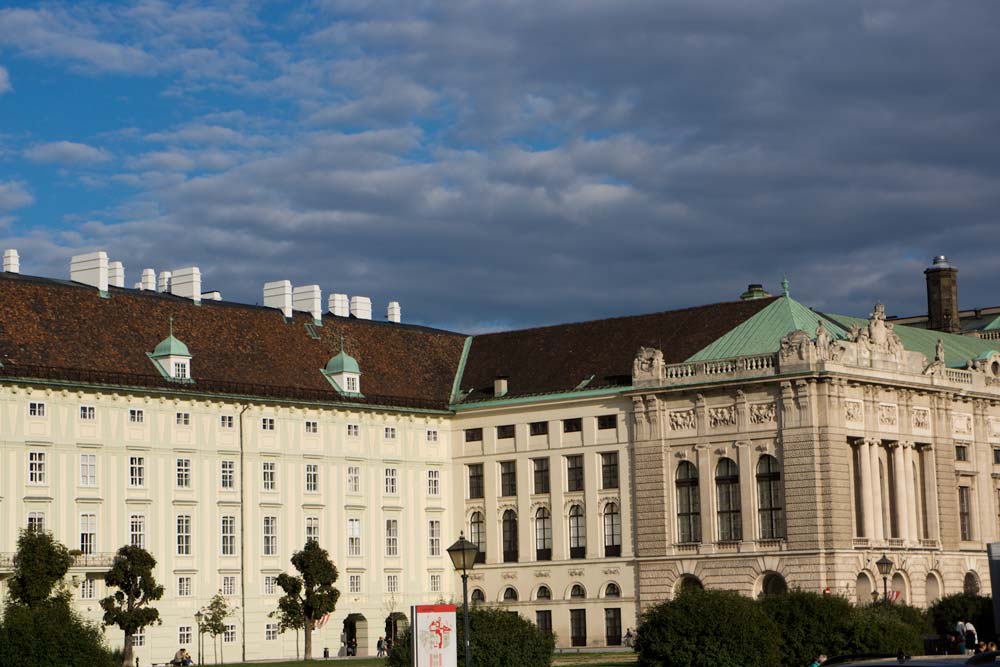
[355,634]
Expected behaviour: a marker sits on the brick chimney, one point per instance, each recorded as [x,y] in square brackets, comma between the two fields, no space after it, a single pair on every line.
[942,296]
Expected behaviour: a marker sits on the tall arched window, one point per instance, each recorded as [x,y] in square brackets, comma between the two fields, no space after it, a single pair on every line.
[688,505]
[543,534]
[727,488]
[612,591]
[612,530]
[577,533]
[478,597]
[477,535]
[577,592]
[510,594]
[544,593]
[769,498]
[510,536]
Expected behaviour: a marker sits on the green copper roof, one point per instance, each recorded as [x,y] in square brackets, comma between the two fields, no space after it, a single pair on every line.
[762,333]
[343,363]
[993,325]
[170,346]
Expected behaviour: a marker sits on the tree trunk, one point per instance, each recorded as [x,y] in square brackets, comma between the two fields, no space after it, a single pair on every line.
[307,648]
[127,651]
[296,644]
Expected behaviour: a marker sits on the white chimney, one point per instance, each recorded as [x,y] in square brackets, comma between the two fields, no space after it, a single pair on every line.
[90,269]
[278,294]
[212,296]
[11,261]
[310,299]
[394,313]
[361,307]
[148,280]
[186,283]
[163,282]
[500,386]
[339,305]
[116,274]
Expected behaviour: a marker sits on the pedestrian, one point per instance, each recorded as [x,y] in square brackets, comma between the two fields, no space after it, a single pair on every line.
[960,636]
[380,647]
[629,637]
[818,660]
[971,636]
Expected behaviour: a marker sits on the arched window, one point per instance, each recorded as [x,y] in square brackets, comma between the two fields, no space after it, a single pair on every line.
[769,498]
[510,594]
[970,585]
[577,533]
[727,488]
[612,530]
[688,582]
[612,591]
[544,593]
[577,592]
[478,597]
[933,588]
[477,535]
[543,534]
[688,505]
[773,584]
[510,536]
[865,589]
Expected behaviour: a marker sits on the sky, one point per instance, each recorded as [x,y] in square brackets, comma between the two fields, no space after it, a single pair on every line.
[505,164]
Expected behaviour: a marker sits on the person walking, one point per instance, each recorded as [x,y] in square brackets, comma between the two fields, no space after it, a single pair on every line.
[629,637]
[380,648]
[971,636]
[960,636]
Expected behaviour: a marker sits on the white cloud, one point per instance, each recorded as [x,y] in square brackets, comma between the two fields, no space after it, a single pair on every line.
[66,152]
[14,195]
[5,86]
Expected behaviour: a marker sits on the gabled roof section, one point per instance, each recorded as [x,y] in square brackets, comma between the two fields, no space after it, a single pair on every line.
[552,359]
[762,333]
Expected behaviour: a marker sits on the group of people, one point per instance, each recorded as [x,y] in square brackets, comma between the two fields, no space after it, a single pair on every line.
[182,658]
[383,646]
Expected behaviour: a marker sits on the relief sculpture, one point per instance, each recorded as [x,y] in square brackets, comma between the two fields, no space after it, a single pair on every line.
[682,420]
[888,415]
[854,411]
[921,418]
[961,423]
[762,413]
[722,416]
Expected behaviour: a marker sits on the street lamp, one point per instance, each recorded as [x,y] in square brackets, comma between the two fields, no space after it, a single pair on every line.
[884,566]
[197,618]
[463,555]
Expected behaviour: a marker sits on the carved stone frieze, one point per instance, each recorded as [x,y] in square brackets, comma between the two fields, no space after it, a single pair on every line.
[920,418]
[509,575]
[542,574]
[762,413]
[611,570]
[682,420]
[575,573]
[725,416]
[888,415]
[854,411]
[961,423]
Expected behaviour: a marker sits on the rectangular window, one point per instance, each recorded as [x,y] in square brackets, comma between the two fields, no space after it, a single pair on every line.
[353,430]
[541,470]
[88,413]
[390,432]
[432,435]
[136,416]
[36,467]
[354,583]
[267,423]
[270,585]
[182,419]
[36,409]
[183,534]
[434,538]
[613,627]
[543,619]
[996,456]
[270,536]
[312,529]
[226,421]
[607,422]
[227,474]
[609,470]
[270,632]
[351,382]
[183,587]
[312,427]
[354,537]
[228,535]
[184,473]
[508,478]
[88,533]
[538,428]
[312,478]
[229,585]
[391,537]
[229,635]
[139,638]
[965,512]
[435,583]
[505,432]
[961,453]
[433,482]
[475,480]
[574,472]
[137,530]
[392,583]
[88,469]
[88,589]
[578,627]
[390,481]
[36,521]
[574,425]
[136,471]
[473,435]
[353,479]
[184,634]
[269,471]
[180,370]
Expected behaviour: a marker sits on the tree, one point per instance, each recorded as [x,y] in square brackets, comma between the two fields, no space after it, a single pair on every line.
[289,615]
[213,620]
[39,564]
[312,590]
[809,624]
[128,608]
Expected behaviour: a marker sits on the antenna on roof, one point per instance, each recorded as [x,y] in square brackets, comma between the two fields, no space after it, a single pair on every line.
[784,285]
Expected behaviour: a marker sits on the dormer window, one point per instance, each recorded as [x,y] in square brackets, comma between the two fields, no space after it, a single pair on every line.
[180,370]
[344,373]
[172,358]
[352,383]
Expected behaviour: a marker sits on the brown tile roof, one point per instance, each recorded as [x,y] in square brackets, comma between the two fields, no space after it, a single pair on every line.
[558,358]
[61,330]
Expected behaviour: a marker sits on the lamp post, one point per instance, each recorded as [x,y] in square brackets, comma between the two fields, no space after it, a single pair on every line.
[197,618]
[884,566]
[463,556]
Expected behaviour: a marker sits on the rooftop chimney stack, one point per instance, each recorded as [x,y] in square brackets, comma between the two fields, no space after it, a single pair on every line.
[90,269]
[278,294]
[11,261]
[148,280]
[500,386]
[186,283]
[394,313]
[339,305]
[163,282]
[214,295]
[361,307]
[942,296]
[310,299]
[116,274]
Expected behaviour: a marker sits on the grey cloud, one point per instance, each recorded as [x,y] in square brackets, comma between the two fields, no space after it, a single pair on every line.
[5,85]
[66,152]
[13,194]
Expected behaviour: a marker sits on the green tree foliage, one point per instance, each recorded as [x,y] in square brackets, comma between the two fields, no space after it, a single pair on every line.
[498,639]
[707,628]
[880,629]
[289,615]
[947,611]
[128,608]
[312,591]
[809,624]
[213,619]
[40,563]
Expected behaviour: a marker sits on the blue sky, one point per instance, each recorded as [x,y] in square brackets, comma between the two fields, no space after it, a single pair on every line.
[507,164]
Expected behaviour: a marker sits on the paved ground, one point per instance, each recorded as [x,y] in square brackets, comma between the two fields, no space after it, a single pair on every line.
[601,658]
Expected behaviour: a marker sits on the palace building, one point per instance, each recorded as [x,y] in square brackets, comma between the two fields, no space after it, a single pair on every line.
[752,444]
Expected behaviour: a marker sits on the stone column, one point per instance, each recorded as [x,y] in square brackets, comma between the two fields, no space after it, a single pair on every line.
[865,468]
[874,445]
[899,479]
[911,495]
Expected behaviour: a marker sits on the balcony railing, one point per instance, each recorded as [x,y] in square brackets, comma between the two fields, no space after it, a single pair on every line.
[860,542]
[81,561]
[758,364]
